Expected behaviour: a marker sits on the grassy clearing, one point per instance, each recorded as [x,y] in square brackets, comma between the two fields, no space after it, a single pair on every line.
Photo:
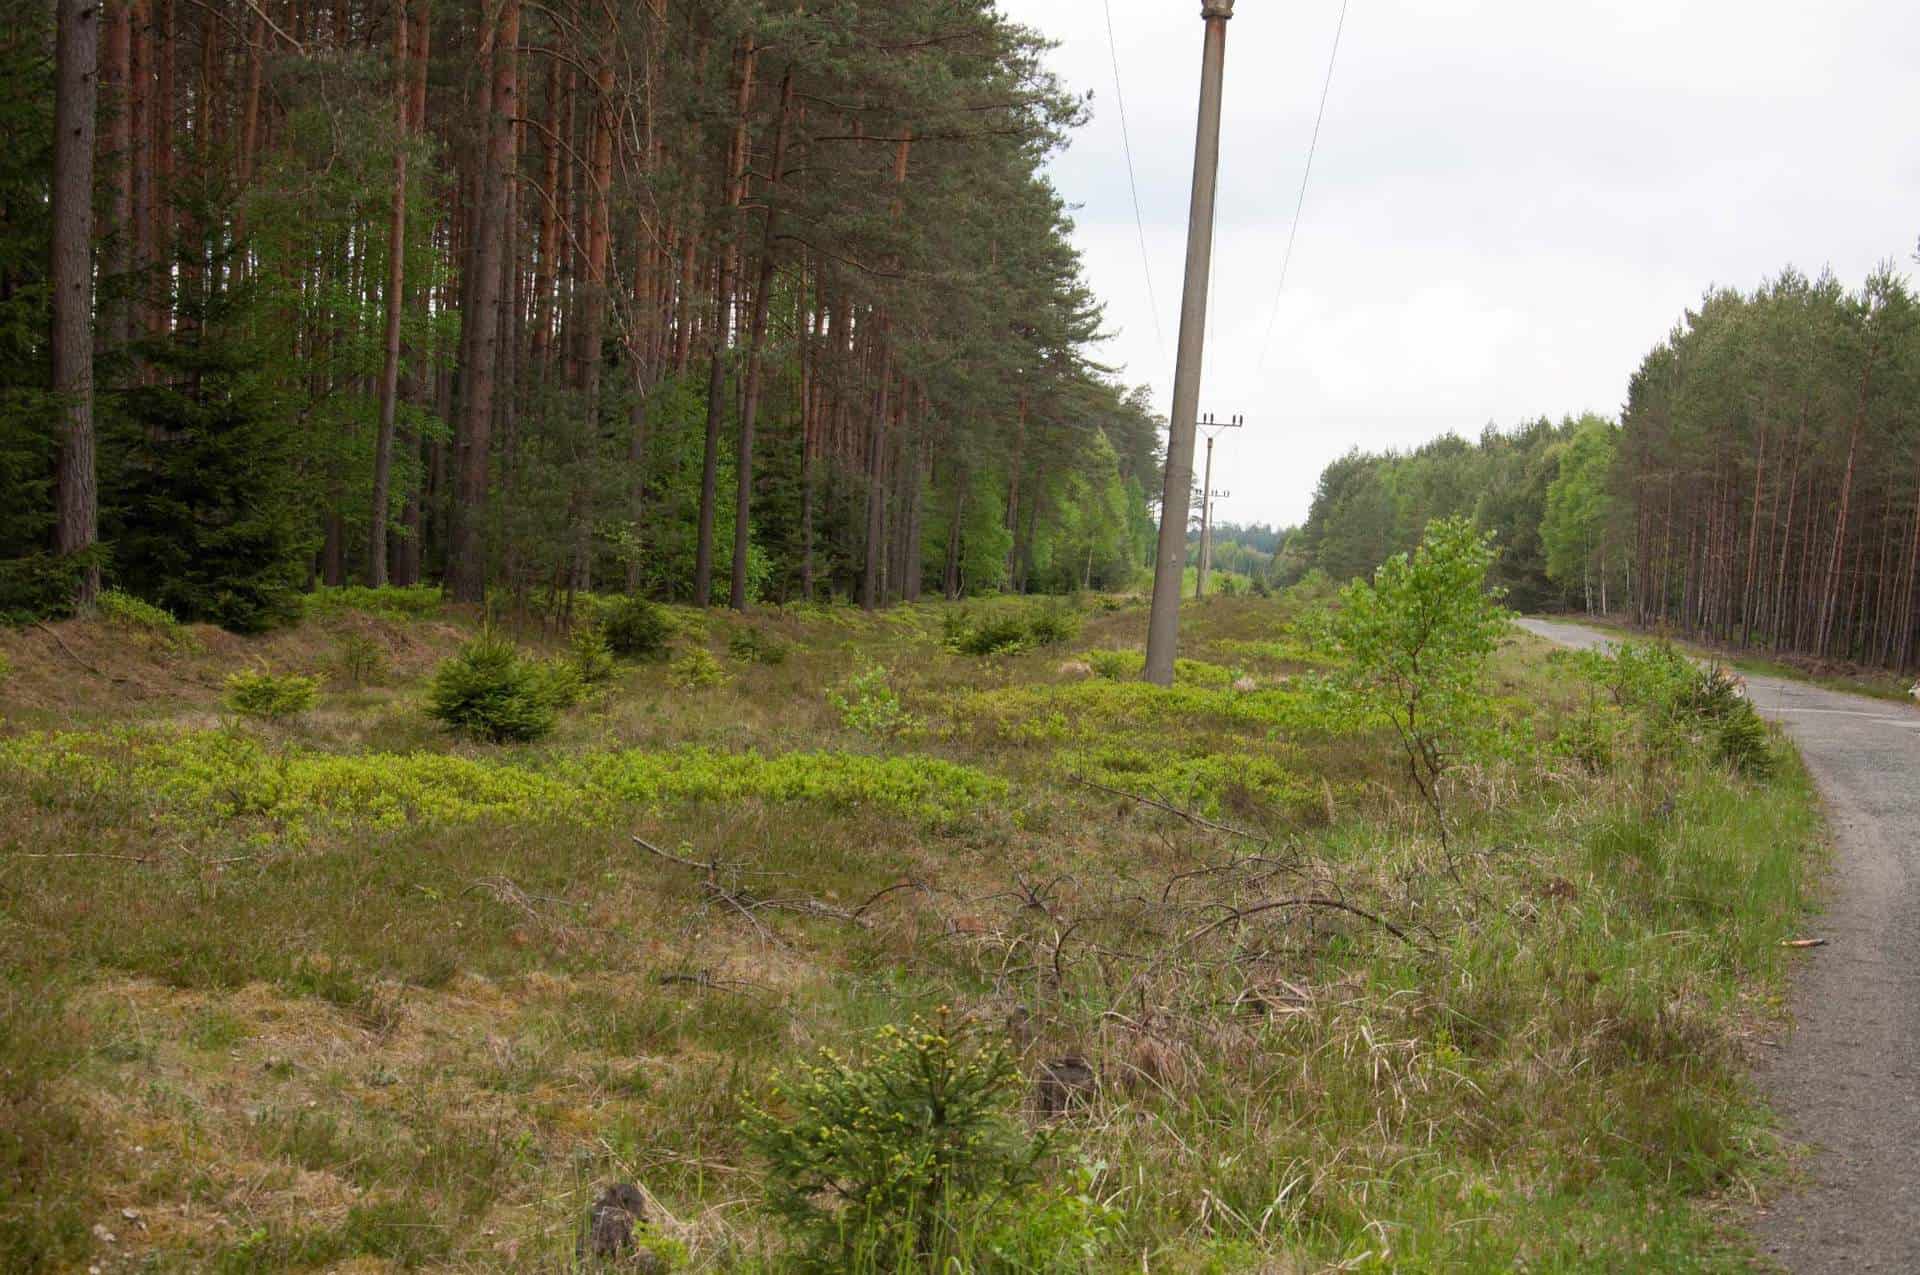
[346,992]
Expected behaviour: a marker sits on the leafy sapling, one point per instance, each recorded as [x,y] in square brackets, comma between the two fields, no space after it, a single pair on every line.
[1416,641]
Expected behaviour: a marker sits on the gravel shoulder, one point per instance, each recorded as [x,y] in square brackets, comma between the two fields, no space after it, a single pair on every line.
[1846,1082]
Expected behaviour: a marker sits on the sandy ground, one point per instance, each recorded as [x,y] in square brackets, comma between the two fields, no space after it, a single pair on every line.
[1847,1081]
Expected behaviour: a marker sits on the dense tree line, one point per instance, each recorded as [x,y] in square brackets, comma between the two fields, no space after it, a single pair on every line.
[1768,471]
[1761,489]
[753,298]
[1369,506]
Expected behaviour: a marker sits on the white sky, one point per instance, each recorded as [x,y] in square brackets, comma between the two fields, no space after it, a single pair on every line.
[1512,202]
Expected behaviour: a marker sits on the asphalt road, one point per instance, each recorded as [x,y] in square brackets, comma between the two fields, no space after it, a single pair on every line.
[1847,1080]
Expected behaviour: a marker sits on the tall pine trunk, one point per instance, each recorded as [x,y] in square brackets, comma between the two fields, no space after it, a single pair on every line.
[396,307]
[466,551]
[75,94]
[756,340]
[722,322]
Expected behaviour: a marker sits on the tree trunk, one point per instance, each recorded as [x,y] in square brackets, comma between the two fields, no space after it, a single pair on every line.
[396,307]
[467,565]
[952,578]
[756,339]
[717,340]
[876,485]
[1830,593]
[164,103]
[547,246]
[76,91]
[116,148]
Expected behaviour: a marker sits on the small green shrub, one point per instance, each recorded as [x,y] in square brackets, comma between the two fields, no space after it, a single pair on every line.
[590,654]
[1417,639]
[490,691]
[1060,1230]
[892,1159]
[1008,632]
[1711,694]
[636,629]
[559,680]
[1116,665]
[155,625]
[1590,738]
[6,668]
[360,660]
[667,1253]
[1651,675]
[751,646]
[125,611]
[1683,705]
[1741,742]
[869,705]
[992,636]
[697,670]
[270,696]
[1314,589]
[954,624]
[1052,625]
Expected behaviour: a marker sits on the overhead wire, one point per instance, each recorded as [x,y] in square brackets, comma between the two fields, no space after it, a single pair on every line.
[1286,261]
[1139,222]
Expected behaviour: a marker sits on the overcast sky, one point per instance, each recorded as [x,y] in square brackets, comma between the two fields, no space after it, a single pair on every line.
[1512,202]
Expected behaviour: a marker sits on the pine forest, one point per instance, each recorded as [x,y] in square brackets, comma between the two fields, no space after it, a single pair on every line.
[718,302]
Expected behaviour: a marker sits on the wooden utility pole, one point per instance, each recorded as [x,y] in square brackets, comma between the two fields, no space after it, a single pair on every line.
[75,95]
[1213,428]
[1170,563]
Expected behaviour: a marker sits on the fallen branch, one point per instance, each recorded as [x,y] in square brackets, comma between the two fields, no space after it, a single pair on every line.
[1312,901]
[884,891]
[747,904]
[1198,821]
[61,642]
[673,858]
[705,980]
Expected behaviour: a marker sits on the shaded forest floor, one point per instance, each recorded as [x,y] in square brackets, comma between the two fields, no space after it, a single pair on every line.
[345,993]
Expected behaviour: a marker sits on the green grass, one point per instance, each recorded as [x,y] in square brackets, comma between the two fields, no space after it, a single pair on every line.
[362,992]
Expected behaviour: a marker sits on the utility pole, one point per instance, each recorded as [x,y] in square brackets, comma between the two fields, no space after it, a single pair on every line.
[1170,562]
[1206,541]
[1207,493]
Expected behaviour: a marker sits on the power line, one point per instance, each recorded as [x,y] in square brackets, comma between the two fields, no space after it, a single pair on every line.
[1139,222]
[1266,346]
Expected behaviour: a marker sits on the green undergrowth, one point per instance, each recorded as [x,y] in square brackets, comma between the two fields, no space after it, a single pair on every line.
[1204,783]
[390,602]
[1092,708]
[365,995]
[212,778]
[1129,665]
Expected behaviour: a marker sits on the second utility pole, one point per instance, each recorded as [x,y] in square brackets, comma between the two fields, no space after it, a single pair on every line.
[1207,494]
[1170,562]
